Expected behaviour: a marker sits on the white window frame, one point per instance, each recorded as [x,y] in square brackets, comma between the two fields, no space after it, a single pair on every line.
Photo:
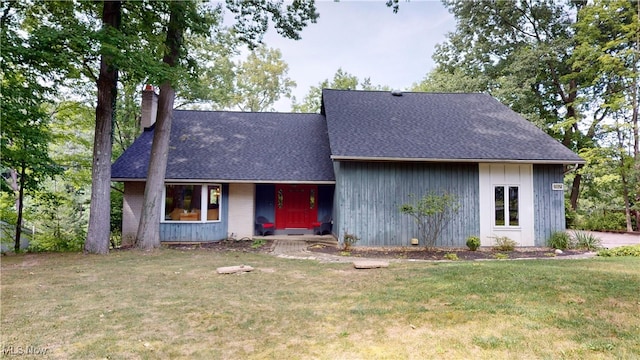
[204,197]
[506,209]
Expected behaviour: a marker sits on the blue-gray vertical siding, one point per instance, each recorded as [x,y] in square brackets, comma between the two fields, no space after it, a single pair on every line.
[199,231]
[265,201]
[368,196]
[549,213]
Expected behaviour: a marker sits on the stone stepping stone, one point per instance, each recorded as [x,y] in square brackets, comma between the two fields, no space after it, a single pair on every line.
[234,269]
[370,264]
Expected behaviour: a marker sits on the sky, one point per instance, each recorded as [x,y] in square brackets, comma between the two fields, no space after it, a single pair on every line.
[365,39]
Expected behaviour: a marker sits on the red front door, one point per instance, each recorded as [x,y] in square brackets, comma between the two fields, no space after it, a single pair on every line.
[296,206]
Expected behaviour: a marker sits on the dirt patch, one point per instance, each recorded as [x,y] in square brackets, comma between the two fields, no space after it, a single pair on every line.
[442,254]
[262,246]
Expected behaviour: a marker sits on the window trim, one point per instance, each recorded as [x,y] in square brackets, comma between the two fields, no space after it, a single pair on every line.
[204,201]
[506,210]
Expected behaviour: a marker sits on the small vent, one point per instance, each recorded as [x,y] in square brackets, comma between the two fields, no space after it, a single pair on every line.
[396,92]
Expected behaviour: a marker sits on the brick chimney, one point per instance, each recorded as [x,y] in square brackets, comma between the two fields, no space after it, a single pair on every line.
[149,107]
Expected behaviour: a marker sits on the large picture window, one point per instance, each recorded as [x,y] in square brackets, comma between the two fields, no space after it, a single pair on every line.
[192,202]
[506,206]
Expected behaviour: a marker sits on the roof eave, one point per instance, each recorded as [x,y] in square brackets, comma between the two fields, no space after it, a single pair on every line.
[227,181]
[508,161]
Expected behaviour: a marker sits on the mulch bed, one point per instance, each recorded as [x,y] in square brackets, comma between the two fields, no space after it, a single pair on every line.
[441,254]
[416,253]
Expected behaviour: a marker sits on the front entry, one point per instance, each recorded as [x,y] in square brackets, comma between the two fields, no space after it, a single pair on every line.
[506,198]
[296,206]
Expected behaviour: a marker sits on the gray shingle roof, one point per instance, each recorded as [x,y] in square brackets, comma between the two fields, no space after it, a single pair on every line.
[434,126]
[237,146]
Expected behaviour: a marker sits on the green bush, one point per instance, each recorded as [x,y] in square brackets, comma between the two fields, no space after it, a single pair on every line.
[583,240]
[601,220]
[473,243]
[504,243]
[630,250]
[451,256]
[560,240]
[501,256]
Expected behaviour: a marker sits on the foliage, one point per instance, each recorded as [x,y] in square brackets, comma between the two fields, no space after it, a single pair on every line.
[473,243]
[348,240]
[598,220]
[451,256]
[570,68]
[59,215]
[560,240]
[504,243]
[341,80]
[501,256]
[258,243]
[583,240]
[261,80]
[630,250]
[431,213]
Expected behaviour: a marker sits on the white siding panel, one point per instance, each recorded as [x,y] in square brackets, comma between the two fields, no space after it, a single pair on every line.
[131,210]
[506,174]
[241,210]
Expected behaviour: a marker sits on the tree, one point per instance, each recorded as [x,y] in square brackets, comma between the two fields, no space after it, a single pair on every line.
[261,80]
[251,22]
[523,49]
[148,230]
[99,230]
[25,131]
[341,80]
[608,52]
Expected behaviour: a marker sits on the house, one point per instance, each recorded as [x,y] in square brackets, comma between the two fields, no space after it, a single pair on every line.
[351,167]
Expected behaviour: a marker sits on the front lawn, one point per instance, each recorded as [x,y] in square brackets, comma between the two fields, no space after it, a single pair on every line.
[172,304]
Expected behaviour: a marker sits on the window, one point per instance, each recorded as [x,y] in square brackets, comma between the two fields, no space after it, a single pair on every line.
[506,206]
[192,202]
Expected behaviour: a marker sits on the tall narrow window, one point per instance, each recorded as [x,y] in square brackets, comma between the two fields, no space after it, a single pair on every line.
[513,206]
[506,206]
[213,203]
[499,196]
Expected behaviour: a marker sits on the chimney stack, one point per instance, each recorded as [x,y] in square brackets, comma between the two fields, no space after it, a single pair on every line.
[149,107]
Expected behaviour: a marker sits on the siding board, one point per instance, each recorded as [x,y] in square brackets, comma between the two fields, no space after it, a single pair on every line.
[368,196]
[548,204]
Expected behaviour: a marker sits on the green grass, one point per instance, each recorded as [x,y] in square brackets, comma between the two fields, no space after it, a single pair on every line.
[171,304]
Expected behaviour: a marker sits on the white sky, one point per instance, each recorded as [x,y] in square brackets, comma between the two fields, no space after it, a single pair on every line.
[365,39]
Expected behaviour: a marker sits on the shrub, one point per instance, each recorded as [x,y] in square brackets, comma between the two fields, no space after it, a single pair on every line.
[560,240]
[504,243]
[586,241]
[432,213]
[348,240]
[258,243]
[601,220]
[451,256]
[629,250]
[501,256]
[473,243]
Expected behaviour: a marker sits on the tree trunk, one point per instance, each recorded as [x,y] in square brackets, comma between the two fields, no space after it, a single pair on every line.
[20,207]
[148,236]
[97,241]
